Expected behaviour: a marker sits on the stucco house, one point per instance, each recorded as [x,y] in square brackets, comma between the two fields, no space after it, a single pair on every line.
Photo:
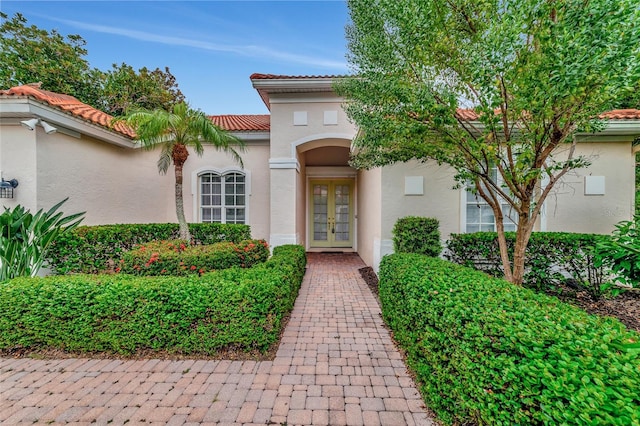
[296,185]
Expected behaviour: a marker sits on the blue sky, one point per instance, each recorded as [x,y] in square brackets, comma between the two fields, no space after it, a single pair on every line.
[212,47]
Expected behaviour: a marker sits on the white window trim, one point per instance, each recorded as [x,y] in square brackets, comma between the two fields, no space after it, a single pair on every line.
[463,209]
[195,190]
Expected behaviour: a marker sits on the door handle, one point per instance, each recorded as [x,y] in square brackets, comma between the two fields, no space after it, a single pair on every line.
[332,223]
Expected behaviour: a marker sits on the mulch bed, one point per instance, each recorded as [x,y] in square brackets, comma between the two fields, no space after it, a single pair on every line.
[370,277]
[625,306]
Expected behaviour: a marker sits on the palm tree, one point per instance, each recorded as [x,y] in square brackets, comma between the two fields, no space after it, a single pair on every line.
[174,132]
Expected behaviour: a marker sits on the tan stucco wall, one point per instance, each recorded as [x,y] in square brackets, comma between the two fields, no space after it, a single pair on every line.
[369,215]
[18,160]
[284,133]
[112,184]
[256,165]
[439,201]
[569,210]
[301,205]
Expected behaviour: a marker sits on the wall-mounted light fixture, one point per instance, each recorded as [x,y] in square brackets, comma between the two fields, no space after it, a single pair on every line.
[7,187]
[31,125]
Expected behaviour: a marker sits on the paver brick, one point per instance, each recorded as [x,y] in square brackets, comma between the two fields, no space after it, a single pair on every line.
[336,365]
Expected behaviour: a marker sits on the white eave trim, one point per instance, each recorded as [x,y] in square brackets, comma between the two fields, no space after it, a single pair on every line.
[58,118]
[251,136]
[322,84]
[619,128]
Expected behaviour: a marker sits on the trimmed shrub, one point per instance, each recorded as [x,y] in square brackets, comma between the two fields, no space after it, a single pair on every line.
[242,309]
[488,352]
[552,257]
[177,258]
[413,234]
[95,249]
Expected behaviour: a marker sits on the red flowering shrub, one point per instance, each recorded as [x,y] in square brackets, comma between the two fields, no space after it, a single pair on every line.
[176,257]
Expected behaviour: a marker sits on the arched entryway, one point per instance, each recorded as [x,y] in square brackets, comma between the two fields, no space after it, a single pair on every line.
[330,194]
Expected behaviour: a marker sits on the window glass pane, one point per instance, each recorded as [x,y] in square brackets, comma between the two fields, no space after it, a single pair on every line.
[472,198]
[231,215]
[473,213]
[473,228]
[480,216]
[487,215]
[488,227]
[213,193]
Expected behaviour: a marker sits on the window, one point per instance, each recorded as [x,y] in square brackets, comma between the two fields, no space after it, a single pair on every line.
[223,197]
[479,214]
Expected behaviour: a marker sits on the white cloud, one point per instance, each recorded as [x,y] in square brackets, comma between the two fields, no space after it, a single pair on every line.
[244,50]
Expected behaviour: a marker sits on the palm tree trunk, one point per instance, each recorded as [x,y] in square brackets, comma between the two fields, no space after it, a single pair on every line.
[180,155]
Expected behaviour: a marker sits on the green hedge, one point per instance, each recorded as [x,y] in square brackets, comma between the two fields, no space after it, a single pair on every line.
[122,314]
[414,234]
[95,249]
[177,258]
[551,257]
[488,352]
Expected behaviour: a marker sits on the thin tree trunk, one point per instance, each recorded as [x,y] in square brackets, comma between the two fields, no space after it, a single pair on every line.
[180,154]
[504,248]
[523,233]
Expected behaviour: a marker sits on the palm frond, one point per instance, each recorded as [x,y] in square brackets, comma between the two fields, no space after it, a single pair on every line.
[165,158]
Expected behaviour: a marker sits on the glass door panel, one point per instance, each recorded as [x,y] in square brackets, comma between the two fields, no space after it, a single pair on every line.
[331,213]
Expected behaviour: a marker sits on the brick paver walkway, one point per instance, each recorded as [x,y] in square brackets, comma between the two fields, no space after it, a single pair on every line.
[336,365]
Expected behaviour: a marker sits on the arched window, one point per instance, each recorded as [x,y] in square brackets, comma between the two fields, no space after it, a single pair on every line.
[223,197]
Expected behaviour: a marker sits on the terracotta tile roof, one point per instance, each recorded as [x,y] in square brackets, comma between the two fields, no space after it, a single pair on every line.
[251,123]
[70,105]
[616,114]
[258,76]
[466,114]
[622,114]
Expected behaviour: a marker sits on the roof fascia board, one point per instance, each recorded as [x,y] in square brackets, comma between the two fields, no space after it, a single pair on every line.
[617,128]
[276,99]
[266,86]
[251,135]
[58,118]
[294,83]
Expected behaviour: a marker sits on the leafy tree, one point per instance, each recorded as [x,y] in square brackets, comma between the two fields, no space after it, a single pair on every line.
[29,54]
[530,72]
[123,88]
[174,132]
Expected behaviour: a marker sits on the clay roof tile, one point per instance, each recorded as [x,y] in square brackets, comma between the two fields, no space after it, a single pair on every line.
[70,105]
[257,122]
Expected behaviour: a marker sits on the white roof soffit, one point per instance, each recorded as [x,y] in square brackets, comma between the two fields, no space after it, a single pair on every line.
[25,107]
[324,84]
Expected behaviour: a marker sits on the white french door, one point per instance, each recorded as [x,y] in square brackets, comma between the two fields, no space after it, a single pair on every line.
[331,213]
